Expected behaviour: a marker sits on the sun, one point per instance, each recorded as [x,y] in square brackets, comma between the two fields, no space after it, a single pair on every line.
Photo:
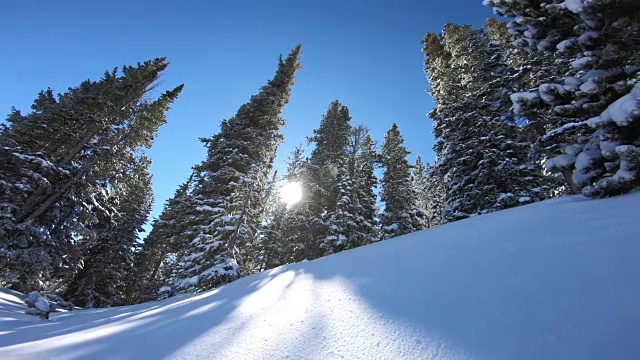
[291,193]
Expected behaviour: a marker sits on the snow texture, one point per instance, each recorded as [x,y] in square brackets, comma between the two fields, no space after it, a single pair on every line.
[562,161]
[519,98]
[575,6]
[553,280]
[622,111]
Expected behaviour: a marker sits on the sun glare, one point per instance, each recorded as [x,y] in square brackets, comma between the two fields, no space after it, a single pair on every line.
[291,193]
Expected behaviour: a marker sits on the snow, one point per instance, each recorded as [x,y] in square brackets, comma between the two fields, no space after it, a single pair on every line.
[582,62]
[590,87]
[588,37]
[550,92]
[209,208]
[42,304]
[551,280]
[586,158]
[575,6]
[562,161]
[624,110]
[565,45]
[520,98]
[562,129]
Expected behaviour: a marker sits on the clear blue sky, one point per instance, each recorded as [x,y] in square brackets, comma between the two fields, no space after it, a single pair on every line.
[365,53]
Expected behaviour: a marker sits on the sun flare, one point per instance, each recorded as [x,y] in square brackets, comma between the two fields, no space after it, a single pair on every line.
[291,193]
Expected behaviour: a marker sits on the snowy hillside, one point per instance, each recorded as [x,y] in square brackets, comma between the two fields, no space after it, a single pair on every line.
[552,280]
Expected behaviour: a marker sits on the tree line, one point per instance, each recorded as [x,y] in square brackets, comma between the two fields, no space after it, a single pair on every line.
[546,104]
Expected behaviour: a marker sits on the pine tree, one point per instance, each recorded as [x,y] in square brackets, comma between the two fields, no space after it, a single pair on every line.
[530,69]
[108,260]
[400,215]
[328,159]
[420,184]
[169,235]
[228,194]
[480,150]
[341,222]
[366,162]
[252,255]
[331,139]
[58,164]
[434,196]
[600,91]
[354,222]
[302,225]
[276,251]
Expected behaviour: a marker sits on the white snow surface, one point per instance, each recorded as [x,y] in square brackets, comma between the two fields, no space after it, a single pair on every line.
[624,110]
[575,6]
[552,280]
[518,98]
[560,162]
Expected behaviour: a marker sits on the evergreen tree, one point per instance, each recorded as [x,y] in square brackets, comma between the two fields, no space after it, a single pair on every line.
[303,224]
[480,150]
[530,69]
[353,223]
[59,162]
[108,260]
[328,159]
[228,194]
[600,91]
[423,202]
[341,222]
[331,139]
[366,161]
[400,215]
[276,251]
[252,255]
[434,196]
[169,235]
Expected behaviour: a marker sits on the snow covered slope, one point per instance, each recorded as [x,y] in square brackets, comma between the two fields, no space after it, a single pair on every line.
[552,280]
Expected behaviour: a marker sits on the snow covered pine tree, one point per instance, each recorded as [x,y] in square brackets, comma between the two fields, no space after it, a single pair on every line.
[58,163]
[401,215]
[601,90]
[227,194]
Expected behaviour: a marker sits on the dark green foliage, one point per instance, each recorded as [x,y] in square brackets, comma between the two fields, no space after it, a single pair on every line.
[228,194]
[481,152]
[108,260]
[62,159]
[401,214]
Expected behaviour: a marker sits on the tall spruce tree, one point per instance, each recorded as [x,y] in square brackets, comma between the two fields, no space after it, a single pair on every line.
[480,150]
[353,222]
[434,196]
[228,194]
[366,162]
[275,249]
[59,161]
[420,184]
[302,224]
[327,162]
[600,91]
[400,215]
[108,260]
[529,69]
[252,254]
[170,234]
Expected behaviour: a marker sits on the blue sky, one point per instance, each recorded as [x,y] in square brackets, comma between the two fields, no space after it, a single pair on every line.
[364,53]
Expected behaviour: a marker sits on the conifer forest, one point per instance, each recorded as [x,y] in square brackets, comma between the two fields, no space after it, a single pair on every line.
[542,101]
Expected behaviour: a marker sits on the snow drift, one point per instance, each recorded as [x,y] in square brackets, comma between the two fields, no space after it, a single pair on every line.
[552,280]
